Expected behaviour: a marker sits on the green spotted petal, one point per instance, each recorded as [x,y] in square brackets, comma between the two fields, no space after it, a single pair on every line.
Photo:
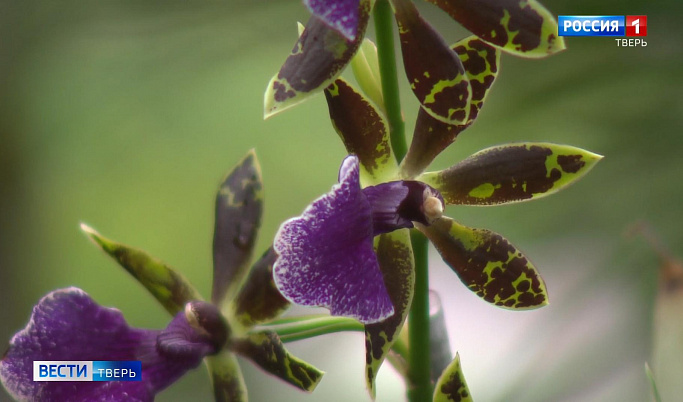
[365,65]
[267,351]
[169,287]
[395,255]
[452,386]
[319,56]
[226,378]
[239,207]
[520,27]
[511,173]
[258,300]
[436,74]
[488,265]
[363,129]
[432,136]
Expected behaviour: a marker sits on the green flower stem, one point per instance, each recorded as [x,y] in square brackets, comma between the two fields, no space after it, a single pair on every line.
[420,387]
[419,382]
[384,32]
[314,326]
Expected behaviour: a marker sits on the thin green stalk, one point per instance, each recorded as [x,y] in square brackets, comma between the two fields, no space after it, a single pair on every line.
[420,386]
[384,32]
[418,325]
[298,329]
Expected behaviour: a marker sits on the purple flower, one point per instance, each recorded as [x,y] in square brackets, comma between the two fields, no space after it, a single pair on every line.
[326,255]
[340,15]
[68,324]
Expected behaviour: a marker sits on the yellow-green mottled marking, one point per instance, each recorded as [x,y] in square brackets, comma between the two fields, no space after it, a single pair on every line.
[395,255]
[226,378]
[451,386]
[488,265]
[266,350]
[169,287]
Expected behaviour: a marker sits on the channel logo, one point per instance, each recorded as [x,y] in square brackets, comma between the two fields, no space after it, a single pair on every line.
[87,371]
[602,25]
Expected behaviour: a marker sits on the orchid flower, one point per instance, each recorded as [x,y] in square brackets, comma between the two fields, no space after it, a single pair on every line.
[68,325]
[351,245]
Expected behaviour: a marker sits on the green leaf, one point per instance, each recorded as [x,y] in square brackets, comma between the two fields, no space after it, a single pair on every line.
[170,288]
[364,131]
[319,56]
[436,74]
[520,27]
[653,384]
[488,265]
[239,207]
[432,136]
[258,300]
[226,378]
[452,386]
[266,350]
[365,65]
[395,255]
[511,173]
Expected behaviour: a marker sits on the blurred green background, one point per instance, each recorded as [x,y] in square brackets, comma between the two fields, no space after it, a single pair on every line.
[126,114]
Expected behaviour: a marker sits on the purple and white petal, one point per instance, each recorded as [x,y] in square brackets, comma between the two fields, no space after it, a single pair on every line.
[67,324]
[341,15]
[326,255]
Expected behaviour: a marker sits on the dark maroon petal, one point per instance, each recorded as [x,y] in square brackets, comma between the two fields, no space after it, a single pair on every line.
[68,325]
[512,173]
[436,74]
[341,15]
[318,57]
[239,206]
[395,256]
[432,136]
[258,299]
[363,129]
[521,27]
[326,255]
[488,264]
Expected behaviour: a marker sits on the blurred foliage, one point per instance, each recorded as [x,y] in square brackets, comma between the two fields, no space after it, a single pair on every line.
[125,115]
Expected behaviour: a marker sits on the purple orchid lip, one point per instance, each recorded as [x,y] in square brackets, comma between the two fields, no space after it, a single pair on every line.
[326,256]
[340,15]
[67,324]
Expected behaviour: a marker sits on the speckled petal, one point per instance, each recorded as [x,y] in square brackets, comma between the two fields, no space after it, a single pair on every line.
[341,15]
[432,136]
[363,129]
[395,255]
[319,56]
[258,299]
[512,173]
[326,255]
[167,285]
[267,350]
[451,386]
[488,264]
[239,206]
[68,325]
[520,27]
[436,74]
